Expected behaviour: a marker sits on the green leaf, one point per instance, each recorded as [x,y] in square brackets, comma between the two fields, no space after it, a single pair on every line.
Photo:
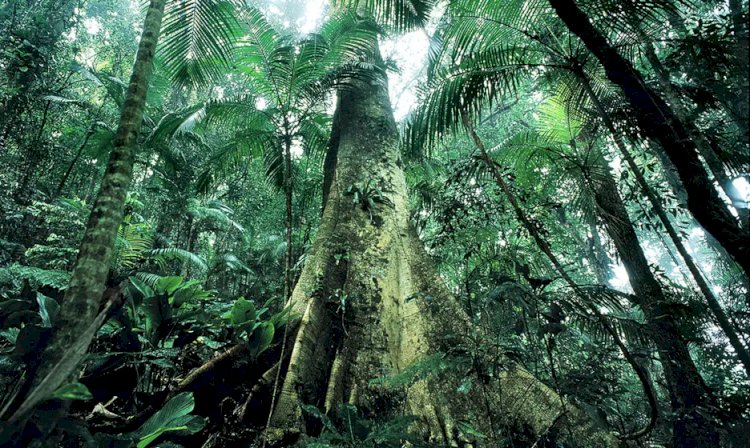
[188,292]
[468,429]
[10,334]
[48,309]
[198,37]
[169,284]
[146,441]
[73,391]
[156,310]
[141,287]
[261,338]
[401,15]
[174,416]
[243,314]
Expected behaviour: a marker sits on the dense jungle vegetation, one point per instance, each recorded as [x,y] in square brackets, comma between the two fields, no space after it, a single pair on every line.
[374,223]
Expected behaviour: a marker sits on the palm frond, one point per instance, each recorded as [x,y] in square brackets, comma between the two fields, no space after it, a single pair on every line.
[401,15]
[164,255]
[214,210]
[198,39]
[258,55]
[132,244]
[175,123]
[465,89]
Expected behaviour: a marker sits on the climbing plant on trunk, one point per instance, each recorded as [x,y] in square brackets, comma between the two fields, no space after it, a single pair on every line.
[371,304]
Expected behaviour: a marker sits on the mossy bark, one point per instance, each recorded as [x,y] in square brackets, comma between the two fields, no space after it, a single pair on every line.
[371,303]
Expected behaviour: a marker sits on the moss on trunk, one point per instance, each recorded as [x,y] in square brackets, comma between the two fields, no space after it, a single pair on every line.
[372,304]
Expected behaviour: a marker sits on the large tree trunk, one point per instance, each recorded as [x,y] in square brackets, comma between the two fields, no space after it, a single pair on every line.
[660,123]
[706,149]
[83,298]
[372,304]
[687,391]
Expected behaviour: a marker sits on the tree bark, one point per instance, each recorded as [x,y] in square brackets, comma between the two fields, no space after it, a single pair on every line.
[83,297]
[658,122]
[687,390]
[544,246]
[713,302]
[372,304]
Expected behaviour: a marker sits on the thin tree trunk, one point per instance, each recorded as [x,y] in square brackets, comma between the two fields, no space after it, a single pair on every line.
[590,249]
[713,302]
[659,123]
[83,297]
[603,264]
[288,260]
[704,146]
[66,175]
[544,246]
[688,393]
[288,191]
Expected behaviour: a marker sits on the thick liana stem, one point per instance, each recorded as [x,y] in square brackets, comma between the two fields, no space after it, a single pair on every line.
[688,392]
[713,302]
[659,123]
[648,389]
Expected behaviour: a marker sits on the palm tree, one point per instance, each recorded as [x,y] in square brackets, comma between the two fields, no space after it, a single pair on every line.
[192,22]
[513,45]
[521,39]
[290,80]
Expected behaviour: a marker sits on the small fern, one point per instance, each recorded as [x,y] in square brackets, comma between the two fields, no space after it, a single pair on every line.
[37,277]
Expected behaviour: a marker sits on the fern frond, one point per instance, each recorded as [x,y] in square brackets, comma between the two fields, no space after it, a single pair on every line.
[163,255]
[38,277]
